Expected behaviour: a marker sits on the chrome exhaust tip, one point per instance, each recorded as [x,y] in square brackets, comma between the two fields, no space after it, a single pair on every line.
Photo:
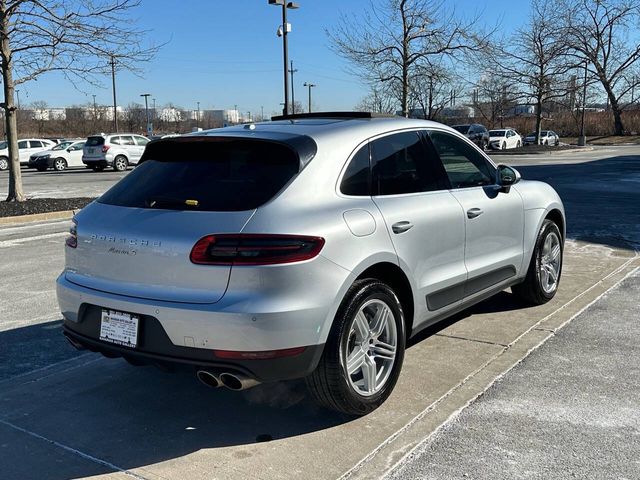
[237,381]
[208,378]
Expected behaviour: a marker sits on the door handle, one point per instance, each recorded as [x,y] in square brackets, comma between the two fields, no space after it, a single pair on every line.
[401,227]
[474,212]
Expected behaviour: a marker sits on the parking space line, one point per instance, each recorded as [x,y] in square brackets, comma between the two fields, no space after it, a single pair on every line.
[471,340]
[75,451]
[447,394]
[425,441]
[19,241]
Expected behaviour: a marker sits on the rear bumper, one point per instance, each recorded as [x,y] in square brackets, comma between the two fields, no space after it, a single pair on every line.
[155,348]
[97,162]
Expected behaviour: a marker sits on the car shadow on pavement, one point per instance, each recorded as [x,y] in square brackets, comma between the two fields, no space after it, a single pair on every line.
[601,198]
[131,416]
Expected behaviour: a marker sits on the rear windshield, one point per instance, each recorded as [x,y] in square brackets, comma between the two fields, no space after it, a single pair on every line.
[94,141]
[462,128]
[497,133]
[216,174]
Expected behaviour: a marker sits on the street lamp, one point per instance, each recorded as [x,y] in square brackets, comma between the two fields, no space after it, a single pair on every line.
[198,116]
[310,85]
[283,30]
[146,111]
[582,139]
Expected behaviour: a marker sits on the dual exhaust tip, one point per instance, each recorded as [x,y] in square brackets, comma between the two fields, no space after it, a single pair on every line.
[233,381]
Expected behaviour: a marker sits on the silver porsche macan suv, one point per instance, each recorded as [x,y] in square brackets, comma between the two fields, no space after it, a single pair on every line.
[310,246]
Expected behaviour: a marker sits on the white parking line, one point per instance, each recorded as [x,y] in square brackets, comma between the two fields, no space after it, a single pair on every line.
[19,241]
[86,456]
[32,226]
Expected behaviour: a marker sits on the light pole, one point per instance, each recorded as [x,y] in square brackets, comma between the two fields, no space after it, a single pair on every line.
[262,113]
[113,83]
[198,116]
[310,85]
[95,110]
[283,30]
[293,94]
[582,140]
[146,111]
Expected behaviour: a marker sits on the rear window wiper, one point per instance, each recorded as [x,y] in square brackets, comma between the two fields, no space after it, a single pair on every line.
[172,203]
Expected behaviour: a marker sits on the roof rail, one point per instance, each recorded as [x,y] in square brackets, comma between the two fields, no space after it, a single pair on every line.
[345,115]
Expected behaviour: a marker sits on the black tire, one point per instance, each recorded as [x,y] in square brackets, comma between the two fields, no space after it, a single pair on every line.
[329,383]
[97,168]
[531,290]
[120,163]
[504,146]
[4,163]
[519,144]
[60,164]
[546,143]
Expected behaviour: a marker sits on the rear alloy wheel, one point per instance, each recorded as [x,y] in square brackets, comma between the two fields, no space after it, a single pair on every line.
[543,277]
[120,163]
[59,164]
[363,355]
[504,146]
[4,163]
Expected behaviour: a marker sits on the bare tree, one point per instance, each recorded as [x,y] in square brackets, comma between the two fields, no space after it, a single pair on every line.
[389,43]
[493,95]
[74,37]
[379,100]
[601,33]
[433,89]
[534,57]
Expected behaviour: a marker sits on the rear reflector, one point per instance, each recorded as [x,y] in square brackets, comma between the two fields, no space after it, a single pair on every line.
[254,249]
[264,355]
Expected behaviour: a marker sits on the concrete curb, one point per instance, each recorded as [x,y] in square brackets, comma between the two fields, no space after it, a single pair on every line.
[38,217]
[501,153]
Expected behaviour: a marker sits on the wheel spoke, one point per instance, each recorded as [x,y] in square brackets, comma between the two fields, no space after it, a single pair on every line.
[545,275]
[379,322]
[383,350]
[361,326]
[369,374]
[355,360]
[551,270]
[555,253]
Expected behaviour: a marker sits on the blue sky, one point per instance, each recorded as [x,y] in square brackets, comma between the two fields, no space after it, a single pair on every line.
[226,53]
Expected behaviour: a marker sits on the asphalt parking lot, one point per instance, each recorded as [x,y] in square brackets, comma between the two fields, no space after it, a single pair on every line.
[65,414]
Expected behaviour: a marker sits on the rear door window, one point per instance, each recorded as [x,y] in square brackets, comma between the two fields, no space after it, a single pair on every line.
[401,165]
[35,143]
[127,140]
[213,174]
[23,144]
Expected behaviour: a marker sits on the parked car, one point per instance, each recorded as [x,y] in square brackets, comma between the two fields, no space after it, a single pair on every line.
[25,149]
[117,150]
[64,155]
[308,248]
[504,138]
[547,137]
[477,133]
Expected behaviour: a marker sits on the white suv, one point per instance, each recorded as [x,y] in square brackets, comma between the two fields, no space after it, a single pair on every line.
[117,150]
[25,149]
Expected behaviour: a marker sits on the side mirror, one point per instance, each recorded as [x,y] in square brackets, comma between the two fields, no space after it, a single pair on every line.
[507,176]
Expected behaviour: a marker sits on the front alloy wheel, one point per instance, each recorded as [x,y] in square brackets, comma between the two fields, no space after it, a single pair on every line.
[543,276]
[4,164]
[120,163]
[60,164]
[363,355]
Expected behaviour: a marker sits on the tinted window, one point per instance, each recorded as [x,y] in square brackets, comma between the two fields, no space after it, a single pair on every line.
[461,128]
[23,144]
[127,140]
[94,141]
[141,141]
[219,174]
[400,165]
[356,178]
[116,140]
[465,166]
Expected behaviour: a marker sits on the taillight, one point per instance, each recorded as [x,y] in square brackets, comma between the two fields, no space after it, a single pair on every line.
[105,148]
[72,239]
[254,249]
